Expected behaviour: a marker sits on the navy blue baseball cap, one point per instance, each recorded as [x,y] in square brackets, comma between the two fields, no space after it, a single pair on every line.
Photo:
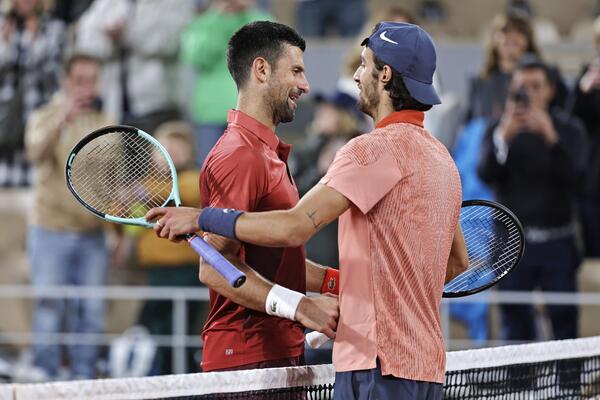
[408,49]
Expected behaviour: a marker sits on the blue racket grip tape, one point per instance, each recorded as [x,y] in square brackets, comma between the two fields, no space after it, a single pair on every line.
[234,276]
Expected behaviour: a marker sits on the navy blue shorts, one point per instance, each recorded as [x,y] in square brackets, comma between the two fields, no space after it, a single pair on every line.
[369,384]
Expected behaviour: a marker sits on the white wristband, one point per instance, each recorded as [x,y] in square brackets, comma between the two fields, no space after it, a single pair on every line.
[283,302]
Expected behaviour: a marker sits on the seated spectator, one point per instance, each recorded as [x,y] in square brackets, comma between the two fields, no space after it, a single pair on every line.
[534,158]
[31,56]
[321,18]
[139,43]
[586,105]
[66,243]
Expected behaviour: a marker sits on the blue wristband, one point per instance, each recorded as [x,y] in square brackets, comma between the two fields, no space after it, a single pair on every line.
[219,220]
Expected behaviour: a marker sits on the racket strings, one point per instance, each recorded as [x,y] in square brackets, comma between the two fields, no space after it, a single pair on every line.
[482,252]
[481,267]
[145,184]
[494,243]
[121,174]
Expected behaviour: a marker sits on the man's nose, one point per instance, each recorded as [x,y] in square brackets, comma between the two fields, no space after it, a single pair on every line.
[304,86]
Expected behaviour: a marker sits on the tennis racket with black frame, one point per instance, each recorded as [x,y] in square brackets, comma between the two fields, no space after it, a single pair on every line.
[495,243]
[119,172]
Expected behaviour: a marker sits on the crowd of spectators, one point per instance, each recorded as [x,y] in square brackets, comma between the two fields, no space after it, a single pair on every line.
[528,137]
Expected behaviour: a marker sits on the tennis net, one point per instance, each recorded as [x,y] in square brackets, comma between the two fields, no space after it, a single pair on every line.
[568,369]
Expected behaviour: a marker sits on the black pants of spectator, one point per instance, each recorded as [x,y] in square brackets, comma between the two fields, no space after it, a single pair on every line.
[550,266]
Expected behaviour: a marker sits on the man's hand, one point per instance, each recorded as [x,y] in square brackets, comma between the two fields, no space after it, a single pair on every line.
[173,222]
[591,79]
[319,313]
[512,122]
[539,121]
[75,106]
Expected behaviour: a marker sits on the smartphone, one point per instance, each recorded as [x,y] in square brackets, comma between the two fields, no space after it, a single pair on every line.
[520,97]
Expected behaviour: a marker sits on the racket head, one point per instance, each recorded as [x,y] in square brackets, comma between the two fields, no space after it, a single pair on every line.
[119,172]
[495,244]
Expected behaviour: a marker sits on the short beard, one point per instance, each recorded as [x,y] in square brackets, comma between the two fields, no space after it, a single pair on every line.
[369,102]
[281,112]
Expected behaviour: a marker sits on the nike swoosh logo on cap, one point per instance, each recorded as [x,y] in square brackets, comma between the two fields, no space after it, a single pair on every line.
[383,37]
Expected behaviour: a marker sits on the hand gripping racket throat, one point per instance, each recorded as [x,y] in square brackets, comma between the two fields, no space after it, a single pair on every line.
[120,172]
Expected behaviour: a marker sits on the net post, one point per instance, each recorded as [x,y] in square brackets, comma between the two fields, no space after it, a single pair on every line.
[178,343]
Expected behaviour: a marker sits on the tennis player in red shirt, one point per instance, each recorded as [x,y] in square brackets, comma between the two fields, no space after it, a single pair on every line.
[247,170]
[398,195]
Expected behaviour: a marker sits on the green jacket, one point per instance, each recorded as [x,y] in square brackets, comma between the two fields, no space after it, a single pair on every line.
[204,47]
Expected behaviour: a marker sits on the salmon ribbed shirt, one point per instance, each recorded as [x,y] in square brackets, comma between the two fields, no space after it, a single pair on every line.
[394,243]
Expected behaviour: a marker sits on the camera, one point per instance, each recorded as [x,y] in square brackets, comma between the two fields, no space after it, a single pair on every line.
[520,97]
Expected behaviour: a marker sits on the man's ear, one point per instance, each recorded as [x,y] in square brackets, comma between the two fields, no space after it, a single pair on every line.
[385,74]
[261,69]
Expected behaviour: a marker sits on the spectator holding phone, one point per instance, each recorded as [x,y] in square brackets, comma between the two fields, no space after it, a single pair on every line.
[65,243]
[534,159]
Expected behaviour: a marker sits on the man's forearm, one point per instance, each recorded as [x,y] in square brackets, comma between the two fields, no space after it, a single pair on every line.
[458,261]
[289,228]
[252,294]
[318,313]
[315,274]
[275,229]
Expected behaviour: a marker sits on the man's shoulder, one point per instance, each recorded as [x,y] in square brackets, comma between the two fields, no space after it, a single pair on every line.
[363,141]
[363,150]
[235,157]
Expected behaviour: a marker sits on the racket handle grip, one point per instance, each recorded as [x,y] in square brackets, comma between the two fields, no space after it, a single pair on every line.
[234,276]
[315,339]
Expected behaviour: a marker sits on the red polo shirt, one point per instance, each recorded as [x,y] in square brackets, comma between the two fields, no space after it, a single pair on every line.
[247,170]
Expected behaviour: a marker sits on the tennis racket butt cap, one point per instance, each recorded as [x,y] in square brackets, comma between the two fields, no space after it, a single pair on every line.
[239,282]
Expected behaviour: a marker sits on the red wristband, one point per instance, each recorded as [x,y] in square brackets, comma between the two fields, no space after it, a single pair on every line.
[331,283]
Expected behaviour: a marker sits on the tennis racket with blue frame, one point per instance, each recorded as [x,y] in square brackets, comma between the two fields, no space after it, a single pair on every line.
[119,172]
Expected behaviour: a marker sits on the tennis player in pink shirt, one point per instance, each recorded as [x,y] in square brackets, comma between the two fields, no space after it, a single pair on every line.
[398,195]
